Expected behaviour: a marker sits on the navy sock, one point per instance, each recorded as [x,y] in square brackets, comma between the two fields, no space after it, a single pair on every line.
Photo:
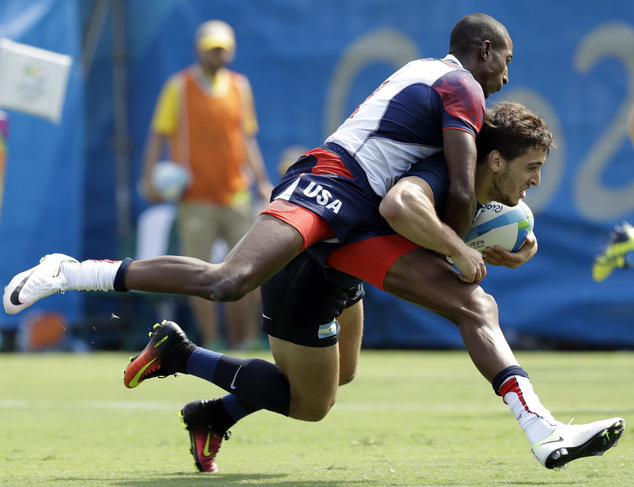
[237,409]
[202,363]
[221,414]
[501,376]
[256,383]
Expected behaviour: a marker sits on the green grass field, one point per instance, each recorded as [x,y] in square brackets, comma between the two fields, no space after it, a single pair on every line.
[409,419]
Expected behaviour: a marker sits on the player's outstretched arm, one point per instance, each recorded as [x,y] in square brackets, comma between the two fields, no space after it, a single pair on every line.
[409,209]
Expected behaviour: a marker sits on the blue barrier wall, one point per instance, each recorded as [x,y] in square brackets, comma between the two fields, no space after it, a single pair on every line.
[42,208]
[310,63]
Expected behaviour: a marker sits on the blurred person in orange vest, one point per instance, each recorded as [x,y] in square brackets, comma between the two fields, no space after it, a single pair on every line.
[205,120]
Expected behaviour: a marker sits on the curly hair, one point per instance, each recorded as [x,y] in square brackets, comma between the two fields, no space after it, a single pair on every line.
[512,129]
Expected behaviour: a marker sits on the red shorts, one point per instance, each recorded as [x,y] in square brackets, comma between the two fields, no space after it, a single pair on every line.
[311,226]
[368,259]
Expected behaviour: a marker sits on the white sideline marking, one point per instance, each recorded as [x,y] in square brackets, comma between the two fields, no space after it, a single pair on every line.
[160,405]
[20,403]
[343,407]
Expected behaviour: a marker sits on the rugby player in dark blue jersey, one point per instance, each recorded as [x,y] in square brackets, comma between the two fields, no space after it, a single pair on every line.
[385,200]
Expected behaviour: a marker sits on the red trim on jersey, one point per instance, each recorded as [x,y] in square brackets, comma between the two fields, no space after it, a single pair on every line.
[448,63]
[371,259]
[310,225]
[329,163]
[462,97]
[460,128]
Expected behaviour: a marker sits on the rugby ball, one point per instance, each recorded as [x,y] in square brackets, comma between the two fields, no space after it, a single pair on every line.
[498,224]
[170,180]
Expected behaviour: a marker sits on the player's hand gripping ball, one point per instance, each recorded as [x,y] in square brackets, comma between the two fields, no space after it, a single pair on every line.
[498,224]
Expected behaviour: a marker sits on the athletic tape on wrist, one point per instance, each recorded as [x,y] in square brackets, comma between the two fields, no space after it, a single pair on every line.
[119,277]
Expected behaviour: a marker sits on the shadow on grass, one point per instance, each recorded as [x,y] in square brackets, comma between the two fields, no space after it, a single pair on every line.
[200,479]
[220,479]
[269,480]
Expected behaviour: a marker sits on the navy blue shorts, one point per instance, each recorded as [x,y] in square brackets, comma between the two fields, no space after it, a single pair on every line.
[329,182]
[301,303]
[336,190]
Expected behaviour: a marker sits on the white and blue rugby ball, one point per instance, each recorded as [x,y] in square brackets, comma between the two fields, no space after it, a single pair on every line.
[170,180]
[498,224]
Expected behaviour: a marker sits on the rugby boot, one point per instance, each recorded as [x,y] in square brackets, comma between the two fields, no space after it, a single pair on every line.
[38,282]
[615,254]
[569,442]
[166,354]
[204,439]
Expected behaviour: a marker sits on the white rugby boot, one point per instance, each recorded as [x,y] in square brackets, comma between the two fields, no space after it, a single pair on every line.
[38,282]
[569,442]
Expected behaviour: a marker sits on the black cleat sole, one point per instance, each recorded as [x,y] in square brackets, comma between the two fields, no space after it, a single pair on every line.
[595,446]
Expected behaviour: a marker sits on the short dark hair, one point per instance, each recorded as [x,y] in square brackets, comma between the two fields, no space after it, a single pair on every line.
[512,129]
[472,30]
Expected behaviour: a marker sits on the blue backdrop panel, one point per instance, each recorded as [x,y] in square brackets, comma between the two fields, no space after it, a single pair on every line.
[42,209]
[310,63]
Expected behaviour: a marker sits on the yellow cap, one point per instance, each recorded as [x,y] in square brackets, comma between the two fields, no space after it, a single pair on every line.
[213,34]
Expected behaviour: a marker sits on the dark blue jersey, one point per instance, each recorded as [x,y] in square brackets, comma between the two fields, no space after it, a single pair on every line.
[401,124]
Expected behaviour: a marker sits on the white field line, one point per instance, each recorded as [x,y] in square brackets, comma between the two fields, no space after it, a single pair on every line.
[164,405]
[343,407]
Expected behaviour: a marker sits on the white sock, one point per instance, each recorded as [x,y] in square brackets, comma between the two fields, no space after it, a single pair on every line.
[533,417]
[90,275]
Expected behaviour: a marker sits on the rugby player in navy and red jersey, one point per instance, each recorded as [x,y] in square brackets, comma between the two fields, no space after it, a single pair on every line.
[385,199]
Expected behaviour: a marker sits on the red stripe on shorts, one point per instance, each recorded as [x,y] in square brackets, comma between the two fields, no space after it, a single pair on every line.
[329,163]
[370,259]
[310,225]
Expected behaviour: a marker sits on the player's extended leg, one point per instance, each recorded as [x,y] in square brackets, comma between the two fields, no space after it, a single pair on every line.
[268,246]
[306,391]
[426,279]
[281,232]
[411,273]
[300,306]
[208,421]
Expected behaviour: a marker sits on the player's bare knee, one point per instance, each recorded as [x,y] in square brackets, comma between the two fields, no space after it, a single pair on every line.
[487,307]
[479,308]
[316,414]
[345,377]
[312,412]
